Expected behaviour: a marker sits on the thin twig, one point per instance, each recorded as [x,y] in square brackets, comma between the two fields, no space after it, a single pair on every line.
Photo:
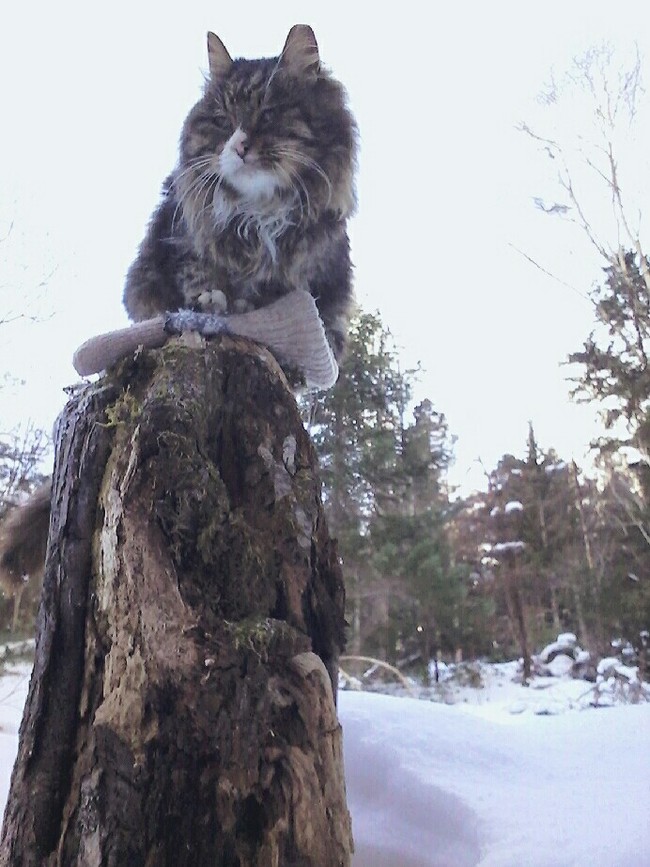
[551,275]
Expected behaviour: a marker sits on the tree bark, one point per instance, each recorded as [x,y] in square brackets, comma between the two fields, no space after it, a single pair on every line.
[181,709]
[515,606]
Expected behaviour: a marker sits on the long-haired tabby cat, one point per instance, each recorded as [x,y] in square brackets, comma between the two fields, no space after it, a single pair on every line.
[258,203]
[256,207]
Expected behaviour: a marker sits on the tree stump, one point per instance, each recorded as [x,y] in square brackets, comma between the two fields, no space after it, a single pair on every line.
[181,709]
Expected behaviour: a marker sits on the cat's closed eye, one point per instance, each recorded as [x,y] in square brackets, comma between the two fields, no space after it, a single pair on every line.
[221,123]
[266,116]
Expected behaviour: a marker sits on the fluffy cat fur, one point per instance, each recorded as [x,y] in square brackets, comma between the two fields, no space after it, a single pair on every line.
[256,207]
[258,203]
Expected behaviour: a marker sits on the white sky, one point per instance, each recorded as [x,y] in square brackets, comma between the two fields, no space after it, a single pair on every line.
[91,103]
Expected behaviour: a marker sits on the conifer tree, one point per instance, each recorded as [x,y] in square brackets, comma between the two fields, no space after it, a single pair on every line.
[385,499]
[529,548]
[411,549]
[614,372]
[613,363]
[355,428]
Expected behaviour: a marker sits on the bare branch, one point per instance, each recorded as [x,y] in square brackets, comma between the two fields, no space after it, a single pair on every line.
[627,507]
[550,273]
[614,92]
[567,184]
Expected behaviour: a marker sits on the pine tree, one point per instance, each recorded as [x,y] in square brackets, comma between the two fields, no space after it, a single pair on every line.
[356,428]
[411,550]
[614,371]
[613,361]
[621,556]
[386,502]
[528,549]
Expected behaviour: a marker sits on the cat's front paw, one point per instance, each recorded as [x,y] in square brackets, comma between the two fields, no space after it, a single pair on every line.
[213,301]
[206,324]
[241,305]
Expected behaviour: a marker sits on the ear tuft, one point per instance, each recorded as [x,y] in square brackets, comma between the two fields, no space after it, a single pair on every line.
[219,60]
[300,52]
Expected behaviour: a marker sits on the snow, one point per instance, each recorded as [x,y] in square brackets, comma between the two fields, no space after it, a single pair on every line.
[513,506]
[13,692]
[565,643]
[561,665]
[435,785]
[500,776]
[502,547]
[607,663]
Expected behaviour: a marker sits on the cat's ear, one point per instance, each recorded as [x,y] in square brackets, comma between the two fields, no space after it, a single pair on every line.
[219,60]
[300,52]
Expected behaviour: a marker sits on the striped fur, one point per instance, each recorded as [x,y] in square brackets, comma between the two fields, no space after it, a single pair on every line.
[258,203]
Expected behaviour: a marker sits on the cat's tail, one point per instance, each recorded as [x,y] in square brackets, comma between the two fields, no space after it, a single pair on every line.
[23,540]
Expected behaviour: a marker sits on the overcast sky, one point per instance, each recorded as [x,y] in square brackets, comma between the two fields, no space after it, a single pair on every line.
[91,103]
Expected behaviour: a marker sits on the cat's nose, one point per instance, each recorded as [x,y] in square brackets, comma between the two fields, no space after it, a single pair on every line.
[241,145]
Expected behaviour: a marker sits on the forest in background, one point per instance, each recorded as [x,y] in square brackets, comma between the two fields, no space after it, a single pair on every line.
[545,547]
[542,550]
[497,574]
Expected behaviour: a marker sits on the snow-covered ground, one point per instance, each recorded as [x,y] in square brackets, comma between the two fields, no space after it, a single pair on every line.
[508,776]
[505,776]
[13,692]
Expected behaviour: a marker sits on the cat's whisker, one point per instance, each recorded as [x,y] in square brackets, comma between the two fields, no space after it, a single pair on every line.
[200,164]
[192,165]
[216,191]
[185,191]
[298,179]
[286,174]
[205,190]
[197,181]
[293,155]
[191,194]
[294,180]
[317,168]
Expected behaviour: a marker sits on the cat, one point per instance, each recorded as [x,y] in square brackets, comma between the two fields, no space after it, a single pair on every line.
[257,206]
[258,203]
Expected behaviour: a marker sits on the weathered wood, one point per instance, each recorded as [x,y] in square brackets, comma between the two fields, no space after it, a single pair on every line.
[181,708]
